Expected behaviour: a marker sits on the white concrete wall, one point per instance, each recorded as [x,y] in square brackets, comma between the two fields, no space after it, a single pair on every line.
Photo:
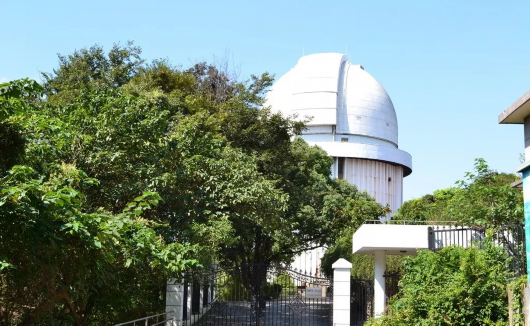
[527,138]
[309,262]
[390,238]
[174,302]
[317,137]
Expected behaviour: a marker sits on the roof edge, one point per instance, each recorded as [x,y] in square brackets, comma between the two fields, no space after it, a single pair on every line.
[516,112]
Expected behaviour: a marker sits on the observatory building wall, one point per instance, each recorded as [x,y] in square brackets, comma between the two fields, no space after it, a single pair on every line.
[382,181]
[349,115]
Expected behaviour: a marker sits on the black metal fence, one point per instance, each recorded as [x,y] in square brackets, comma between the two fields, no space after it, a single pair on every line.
[257,294]
[361,301]
[511,237]
[392,284]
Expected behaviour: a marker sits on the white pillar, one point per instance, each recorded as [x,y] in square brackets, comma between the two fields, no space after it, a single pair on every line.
[341,292]
[213,292]
[174,302]
[379,283]
[201,296]
[188,300]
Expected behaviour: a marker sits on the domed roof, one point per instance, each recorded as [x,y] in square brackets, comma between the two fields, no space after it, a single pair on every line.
[332,91]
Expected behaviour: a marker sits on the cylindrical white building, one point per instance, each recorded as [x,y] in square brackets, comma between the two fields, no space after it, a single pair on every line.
[351,117]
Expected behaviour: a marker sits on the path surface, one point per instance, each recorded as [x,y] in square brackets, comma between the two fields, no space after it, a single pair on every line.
[277,312]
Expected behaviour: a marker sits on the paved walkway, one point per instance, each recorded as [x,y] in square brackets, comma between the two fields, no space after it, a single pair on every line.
[277,312]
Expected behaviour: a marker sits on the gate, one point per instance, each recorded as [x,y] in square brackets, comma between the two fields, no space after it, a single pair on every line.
[257,294]
[361,301]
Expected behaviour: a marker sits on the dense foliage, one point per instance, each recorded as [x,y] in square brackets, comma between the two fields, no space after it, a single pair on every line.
[484,198]
[125,172]
[359,209]
[61,259]
[454,286]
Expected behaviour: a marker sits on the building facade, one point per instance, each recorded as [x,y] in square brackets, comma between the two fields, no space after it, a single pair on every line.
[350,116]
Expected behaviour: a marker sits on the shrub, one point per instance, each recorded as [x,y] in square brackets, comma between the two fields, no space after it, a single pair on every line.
[454,286]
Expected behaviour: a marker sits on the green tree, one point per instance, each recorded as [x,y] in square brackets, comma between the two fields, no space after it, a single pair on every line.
[359,207]
[92,68]
[459,286]
[58,255]
[183,133]
[484,198]
[175,164]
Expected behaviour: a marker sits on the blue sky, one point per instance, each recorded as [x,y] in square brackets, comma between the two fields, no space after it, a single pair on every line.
[450,67]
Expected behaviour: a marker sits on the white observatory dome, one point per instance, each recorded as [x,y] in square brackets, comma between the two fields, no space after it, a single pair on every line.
[364,107]
[330,90]
[351,117]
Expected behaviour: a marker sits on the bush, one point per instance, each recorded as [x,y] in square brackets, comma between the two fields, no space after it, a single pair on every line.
[454,286]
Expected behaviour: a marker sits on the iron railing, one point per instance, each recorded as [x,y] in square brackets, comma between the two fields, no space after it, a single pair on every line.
[510,237]
[392,283]
[153,320]
[441,236]
[255,294]
[361,301]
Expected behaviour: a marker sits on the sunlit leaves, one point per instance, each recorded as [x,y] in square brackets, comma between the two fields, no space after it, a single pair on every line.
[453,286]
[485,198]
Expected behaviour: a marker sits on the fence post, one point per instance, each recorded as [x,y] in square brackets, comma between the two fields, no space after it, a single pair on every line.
[431,238]
[341,292]
[188,300]
[174,302]
[213,291]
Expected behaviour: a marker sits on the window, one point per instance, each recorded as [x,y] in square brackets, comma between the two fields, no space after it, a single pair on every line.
[344,139]
[340,168]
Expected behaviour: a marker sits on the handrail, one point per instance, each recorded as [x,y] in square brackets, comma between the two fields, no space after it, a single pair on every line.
[408,222]
[146,319]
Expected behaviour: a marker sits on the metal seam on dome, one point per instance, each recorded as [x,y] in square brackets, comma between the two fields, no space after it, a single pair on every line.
[305,91]
[341,88]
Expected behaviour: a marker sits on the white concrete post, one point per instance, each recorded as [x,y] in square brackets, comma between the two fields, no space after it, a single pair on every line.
[174,302]
[201,295]
[379,283]
[213,292]
[341,292]
[188,300]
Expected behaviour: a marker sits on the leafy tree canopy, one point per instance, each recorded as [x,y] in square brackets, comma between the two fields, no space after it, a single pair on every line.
[485,197]
[124,172]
